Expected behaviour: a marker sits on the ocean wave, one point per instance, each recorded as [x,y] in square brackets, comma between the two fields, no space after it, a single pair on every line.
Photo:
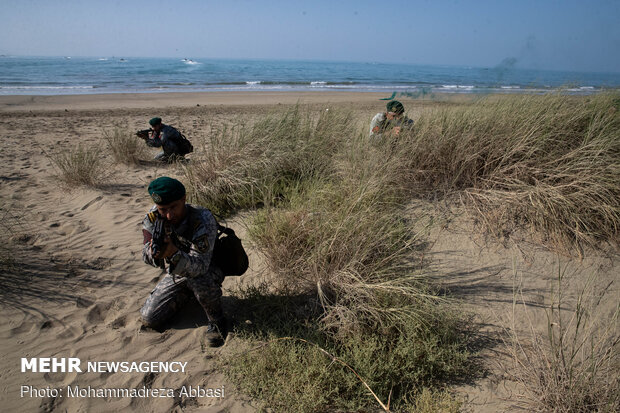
[175,84]
[253,82]
[582,89]
[457,87]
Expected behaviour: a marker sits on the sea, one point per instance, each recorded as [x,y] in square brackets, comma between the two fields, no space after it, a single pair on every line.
[92,75]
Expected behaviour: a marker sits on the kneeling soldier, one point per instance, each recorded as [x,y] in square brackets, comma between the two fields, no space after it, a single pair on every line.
[180,237]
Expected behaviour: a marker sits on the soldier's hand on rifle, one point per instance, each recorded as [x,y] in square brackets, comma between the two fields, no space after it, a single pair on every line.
[144,134]
[168,251]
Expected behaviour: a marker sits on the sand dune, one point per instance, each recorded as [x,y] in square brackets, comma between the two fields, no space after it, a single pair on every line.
[78,281]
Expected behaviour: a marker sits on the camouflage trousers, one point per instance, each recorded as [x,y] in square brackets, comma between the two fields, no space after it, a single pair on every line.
[170,295]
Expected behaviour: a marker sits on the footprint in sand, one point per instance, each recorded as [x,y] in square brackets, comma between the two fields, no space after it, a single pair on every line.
[82,302]
[22,328]
[98,313]
[47,324]
[120,322]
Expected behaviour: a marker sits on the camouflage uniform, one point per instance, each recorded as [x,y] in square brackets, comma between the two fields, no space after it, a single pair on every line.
[380,120]
[193,274]
[167,139]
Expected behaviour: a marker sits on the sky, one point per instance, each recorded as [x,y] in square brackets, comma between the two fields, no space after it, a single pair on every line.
[543,34]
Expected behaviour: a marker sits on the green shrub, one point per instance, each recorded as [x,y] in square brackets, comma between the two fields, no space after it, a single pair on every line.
[295,365]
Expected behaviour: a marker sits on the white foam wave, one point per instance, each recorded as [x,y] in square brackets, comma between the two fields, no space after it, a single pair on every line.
[582,89]
[253,82]
[457,87]
[511,87]
[318,83]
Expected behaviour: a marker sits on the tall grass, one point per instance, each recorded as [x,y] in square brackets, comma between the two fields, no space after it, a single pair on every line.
[548,162]
[332,228]
[575,366]
[80,166]
[125,147]
[350,243]
[247,166]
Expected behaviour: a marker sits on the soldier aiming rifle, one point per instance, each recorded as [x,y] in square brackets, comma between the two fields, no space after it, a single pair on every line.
[174,144]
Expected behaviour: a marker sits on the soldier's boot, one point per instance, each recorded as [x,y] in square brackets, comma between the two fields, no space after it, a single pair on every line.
[216,332]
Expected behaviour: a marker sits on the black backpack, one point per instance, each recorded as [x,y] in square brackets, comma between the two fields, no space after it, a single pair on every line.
[228,253]
[184,145]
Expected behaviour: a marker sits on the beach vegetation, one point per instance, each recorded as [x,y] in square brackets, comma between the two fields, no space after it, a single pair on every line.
[332,228]
[547,163]
[293,364]
[573,366]
[367,326]
[245,166]
[80,166]
[124,146]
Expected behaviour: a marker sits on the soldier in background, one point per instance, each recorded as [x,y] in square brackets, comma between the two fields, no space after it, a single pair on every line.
[390,123]
[174,145]
[187,260]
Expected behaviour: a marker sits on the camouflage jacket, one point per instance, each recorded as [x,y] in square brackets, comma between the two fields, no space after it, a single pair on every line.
[380,124]
[167,138]
[197,232]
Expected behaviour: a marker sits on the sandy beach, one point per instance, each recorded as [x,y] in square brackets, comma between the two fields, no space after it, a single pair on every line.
[180,100]
[76,281]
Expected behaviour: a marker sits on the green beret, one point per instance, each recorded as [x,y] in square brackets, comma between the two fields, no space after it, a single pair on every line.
[165,190]
[155,121]
[395,106]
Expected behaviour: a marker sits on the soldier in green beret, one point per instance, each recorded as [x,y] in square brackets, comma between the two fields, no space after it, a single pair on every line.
[391,122]
[186,255]
[174,145]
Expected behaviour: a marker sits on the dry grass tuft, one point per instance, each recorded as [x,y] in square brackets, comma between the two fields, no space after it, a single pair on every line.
[80,166]
[125,147]
[548,162]
[575,366]
[248,166]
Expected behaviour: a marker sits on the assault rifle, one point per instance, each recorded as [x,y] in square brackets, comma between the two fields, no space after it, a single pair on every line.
[161,231]
[158,243]
[144,133]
